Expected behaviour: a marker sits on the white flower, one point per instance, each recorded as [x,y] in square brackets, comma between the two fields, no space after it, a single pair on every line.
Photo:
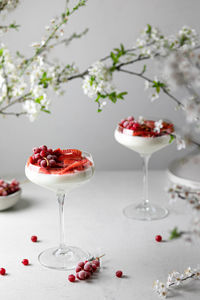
[154,96]
[141,120]
[160,288]
[146,85]
[158,125]
[32,108]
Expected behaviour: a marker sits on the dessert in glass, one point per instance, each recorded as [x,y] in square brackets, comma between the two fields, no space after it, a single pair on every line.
[144,137]
[60,171]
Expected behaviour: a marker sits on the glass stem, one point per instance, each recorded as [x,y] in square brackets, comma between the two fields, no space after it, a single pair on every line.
[145,179]
[61,199]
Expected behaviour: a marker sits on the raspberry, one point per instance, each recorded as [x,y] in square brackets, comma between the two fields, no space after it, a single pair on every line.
[158,238]
[71,278]
[2,271]
[119,274]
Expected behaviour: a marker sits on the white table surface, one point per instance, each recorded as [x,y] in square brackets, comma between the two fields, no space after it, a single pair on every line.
[94,221]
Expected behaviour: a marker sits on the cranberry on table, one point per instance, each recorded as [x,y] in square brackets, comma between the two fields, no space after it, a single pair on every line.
[25,262]
[71,278]
[158,238]
[119,273]
[2,271]
[34,238]
[81,264]
[96,262]
[78,269]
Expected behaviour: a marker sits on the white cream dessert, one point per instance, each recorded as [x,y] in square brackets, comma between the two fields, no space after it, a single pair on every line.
[146,137]
[59,170]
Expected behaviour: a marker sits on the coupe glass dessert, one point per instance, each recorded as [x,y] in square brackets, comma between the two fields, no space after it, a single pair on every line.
[60,171]
[144,137]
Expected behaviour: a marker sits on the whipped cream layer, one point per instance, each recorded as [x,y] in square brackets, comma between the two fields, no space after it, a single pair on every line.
[142,145]
[58,182]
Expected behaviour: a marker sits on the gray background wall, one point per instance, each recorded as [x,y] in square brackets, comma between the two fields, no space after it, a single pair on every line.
[74,121]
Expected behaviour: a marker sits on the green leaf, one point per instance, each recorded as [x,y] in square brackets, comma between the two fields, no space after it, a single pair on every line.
[149,28]
[1,51]
[45,110]
[172,137]
[38,100]
[121,95]
[174,233]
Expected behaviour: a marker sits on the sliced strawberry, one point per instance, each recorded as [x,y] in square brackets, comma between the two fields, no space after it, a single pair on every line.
[73,152]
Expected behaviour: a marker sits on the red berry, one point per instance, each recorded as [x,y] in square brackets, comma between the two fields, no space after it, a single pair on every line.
[135,126]
[126,123]
[119,274]
[50,151]
[36,150]
[94,267]
[87,274]
[2,271]
[39,161]
[43,153]
[25,262]
[43,163]
[82,275]
[158,238]
[88,267]
[52,163]
[81,264]
[37,156]
[34,238]
[78,269]
[130,118]
[43,147]
[71,278]
[96,262]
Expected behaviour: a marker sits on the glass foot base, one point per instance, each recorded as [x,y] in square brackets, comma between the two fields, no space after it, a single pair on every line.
[146,213]
[62,259]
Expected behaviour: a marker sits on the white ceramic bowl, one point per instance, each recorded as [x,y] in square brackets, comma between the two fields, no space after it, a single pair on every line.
[10,200]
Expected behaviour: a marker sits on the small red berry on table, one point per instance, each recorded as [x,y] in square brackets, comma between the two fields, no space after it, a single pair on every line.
[34,238]
[71,278]
[119,273]
[25,262]
[158,238]
[2,271]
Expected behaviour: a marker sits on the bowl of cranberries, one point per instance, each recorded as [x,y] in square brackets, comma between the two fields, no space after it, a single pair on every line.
[10,193]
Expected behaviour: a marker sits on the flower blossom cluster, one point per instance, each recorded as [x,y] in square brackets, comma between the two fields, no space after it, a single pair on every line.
[175,279]
[8,5]
[185,193]
[11,85]
[98,80]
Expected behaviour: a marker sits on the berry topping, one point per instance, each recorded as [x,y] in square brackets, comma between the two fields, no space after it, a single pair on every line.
[119,274]
[25,262]
[158,238]
[145,128]
[43,163]
[2,271]
[8,188]
[71,278]
[58,161]
[34,238]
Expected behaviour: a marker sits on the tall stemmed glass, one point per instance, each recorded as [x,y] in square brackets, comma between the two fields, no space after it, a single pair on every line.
[145,146]
[62,257]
